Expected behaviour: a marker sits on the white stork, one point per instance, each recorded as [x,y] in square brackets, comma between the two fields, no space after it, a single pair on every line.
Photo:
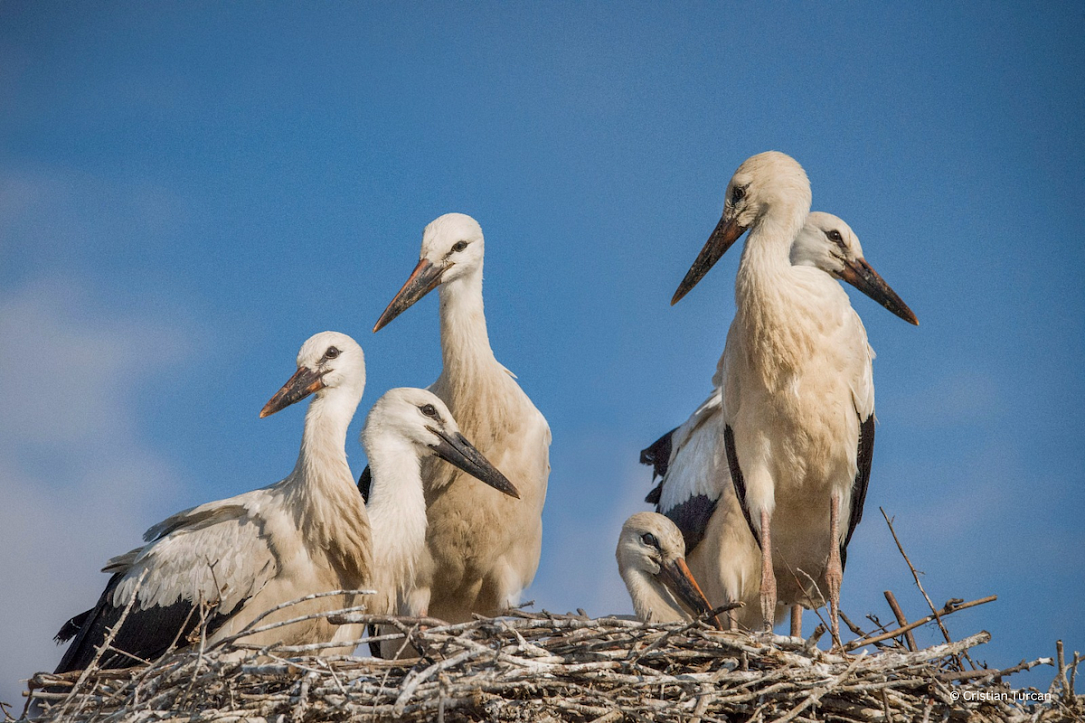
[651,562]
[796,377]
[242,556]
[405,427]
[696,489]
[482,546]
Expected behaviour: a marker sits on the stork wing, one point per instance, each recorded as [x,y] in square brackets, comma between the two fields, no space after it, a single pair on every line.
[738,480]
[863,398]
[862,478]
[657,455]
[202,563]
[693,472]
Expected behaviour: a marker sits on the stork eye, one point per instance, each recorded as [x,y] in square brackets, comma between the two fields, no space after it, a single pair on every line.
[332,353]
[459,246]
[738,194]
[429,410]
[649,539]
[835,236]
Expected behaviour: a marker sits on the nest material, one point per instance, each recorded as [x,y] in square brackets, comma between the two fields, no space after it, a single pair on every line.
[544,667]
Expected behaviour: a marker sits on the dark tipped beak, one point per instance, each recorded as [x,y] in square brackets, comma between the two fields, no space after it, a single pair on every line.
[726,233]
[679,580]
[455,449]
[304,382]
[859,274]
[422,280]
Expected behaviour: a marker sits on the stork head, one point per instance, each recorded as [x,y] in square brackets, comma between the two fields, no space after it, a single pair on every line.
[651,547]
[328,360]
[770,180]
[452,248]
[422,419]
[826,242]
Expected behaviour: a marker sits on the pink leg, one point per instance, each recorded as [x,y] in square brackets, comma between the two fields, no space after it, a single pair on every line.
[834,575]
[768,578]
[796,621]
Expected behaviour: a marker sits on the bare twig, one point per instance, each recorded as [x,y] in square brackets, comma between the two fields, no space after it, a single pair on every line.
[947,610]
[901,620]
[915,576]
[106,645]
[545,666]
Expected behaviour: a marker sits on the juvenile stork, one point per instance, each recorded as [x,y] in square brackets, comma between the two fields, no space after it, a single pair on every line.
[482,546]
[651,561]
[405,427]
[796,377]
[696,489]
[234,559]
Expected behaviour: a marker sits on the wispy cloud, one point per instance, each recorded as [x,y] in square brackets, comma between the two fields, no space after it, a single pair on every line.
[77,479]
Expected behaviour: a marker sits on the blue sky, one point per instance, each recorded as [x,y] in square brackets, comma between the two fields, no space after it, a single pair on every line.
[188,191]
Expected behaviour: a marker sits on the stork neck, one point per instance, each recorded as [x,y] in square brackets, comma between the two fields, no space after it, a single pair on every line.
[649,602]
[397,509]
[325,502]
[464,339]
[323,459]
[768,247]
[768,299]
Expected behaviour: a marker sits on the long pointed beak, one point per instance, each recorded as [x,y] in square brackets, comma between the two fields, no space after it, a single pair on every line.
[304,382]
[725,234]
[455,449]
[859,274]
[679,580]
[422,280]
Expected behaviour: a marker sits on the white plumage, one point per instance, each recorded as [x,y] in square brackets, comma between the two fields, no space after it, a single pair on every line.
[482,547]
[696,489]
[242,556]
[796,379]
[405,427]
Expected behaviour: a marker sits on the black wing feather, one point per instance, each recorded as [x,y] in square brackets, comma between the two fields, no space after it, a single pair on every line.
[146,634]
[691,518]
[864,458]
[658,455]
[738,480]
[365,481]
[71,628]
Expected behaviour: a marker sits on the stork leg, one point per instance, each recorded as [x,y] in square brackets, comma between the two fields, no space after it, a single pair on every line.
[834,575]
[796,621]
[768,578]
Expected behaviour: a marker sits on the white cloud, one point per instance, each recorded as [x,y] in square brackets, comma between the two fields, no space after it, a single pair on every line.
[76,478]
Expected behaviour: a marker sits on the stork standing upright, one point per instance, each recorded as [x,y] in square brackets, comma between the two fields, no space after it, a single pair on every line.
[798,392]
[696,489]
[482,546]
[651,560]
[242,556]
